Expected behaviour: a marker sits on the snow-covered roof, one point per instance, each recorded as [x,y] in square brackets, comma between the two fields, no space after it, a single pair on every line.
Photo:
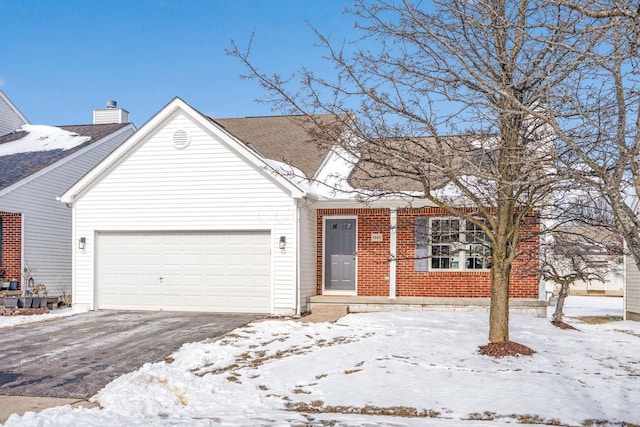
[32,148]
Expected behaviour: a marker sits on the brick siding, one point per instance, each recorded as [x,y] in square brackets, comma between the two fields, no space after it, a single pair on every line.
[11,245]
[373,256]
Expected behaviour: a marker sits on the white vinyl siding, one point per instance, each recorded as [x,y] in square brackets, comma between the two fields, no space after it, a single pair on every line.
[205,186]
[47,225]
[308,260]
[632,294]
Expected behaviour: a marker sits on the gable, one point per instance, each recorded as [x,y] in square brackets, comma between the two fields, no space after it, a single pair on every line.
[160,130]
[10,117]
[181,162]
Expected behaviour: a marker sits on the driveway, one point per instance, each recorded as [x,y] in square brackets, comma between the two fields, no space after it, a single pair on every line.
[78,355]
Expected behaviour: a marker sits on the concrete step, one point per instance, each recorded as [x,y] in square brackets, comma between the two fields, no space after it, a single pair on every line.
[326,313]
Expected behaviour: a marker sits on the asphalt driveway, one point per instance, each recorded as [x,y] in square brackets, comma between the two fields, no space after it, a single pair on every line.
[78,355]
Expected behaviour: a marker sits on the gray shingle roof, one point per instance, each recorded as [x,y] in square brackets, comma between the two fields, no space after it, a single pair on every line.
[287,139]
[15,167]
[401,164]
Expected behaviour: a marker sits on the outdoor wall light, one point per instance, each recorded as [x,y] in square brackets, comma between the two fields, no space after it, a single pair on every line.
[82,243]
[30,282]
[283,243]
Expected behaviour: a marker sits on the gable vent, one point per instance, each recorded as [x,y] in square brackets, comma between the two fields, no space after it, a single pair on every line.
[181,138]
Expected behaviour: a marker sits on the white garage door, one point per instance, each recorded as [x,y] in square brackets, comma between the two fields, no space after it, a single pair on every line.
[214,271]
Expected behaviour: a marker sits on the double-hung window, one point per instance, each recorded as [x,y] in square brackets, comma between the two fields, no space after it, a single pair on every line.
[450,244]
[477,248]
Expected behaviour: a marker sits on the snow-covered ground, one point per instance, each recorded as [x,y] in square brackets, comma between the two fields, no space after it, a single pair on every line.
[7,321]
[382,369]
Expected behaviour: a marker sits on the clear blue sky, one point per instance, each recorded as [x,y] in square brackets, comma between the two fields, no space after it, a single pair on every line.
[59,60]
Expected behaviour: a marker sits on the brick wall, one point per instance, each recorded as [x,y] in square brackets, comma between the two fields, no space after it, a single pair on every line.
[373,265]
[11,245]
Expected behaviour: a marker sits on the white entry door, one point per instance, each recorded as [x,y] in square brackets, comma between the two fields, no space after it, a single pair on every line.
[184,271]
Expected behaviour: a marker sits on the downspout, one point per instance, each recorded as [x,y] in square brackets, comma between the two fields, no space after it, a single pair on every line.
[392,251]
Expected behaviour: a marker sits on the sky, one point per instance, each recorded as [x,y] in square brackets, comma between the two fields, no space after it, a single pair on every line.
[61,60]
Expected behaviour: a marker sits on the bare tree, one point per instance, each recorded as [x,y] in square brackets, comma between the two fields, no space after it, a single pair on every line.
[419,72]
[596,112]
[579,253]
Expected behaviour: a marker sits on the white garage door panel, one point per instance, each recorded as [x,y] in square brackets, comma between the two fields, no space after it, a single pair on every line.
[216,271]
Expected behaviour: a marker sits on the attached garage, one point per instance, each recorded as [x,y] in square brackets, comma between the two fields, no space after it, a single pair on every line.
[226,271]
[186,216]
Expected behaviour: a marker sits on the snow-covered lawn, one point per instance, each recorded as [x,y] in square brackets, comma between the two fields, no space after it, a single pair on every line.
[382,369]
[7,321]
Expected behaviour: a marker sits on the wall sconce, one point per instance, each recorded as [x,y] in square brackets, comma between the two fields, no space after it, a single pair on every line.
[283,243]
[81,243]
[30,282]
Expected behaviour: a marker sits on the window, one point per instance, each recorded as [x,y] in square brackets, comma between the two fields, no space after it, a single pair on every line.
[450,244]
[478,251]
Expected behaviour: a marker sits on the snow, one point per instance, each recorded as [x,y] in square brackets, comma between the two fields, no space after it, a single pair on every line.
[7,321]
[42,138]
[425,361]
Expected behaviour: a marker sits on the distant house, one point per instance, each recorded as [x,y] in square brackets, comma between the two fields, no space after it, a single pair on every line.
[201,214]
[37,164]
[599,254]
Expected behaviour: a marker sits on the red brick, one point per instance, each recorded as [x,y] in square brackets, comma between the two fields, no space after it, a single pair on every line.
[373,257]
[11,245]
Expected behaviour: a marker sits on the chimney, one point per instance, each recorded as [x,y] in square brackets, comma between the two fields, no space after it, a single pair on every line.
[111,114]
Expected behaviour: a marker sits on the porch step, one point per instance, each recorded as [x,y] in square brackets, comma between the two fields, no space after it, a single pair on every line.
[356,304]
[326,313]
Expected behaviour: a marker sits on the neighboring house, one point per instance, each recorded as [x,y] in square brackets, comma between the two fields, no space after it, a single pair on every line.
[632,281]
[632,290]
[37,164]
[198,214]
[10,117]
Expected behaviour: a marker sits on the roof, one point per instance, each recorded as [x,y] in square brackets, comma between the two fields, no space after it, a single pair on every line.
[288,139]
[410,164]
[588,235]
[33,148]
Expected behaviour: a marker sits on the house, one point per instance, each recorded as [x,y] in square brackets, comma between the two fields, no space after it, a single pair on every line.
[198,214]
[37,164]
[631,290]
[632,280]
[598,255]
[10,117]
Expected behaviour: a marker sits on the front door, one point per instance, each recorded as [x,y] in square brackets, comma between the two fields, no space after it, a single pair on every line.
[340,255]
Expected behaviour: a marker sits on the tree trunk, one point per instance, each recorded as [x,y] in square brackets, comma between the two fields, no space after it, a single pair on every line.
[499,310]
[562,294]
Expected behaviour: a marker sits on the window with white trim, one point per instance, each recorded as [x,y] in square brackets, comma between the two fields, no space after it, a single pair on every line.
[450,244]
